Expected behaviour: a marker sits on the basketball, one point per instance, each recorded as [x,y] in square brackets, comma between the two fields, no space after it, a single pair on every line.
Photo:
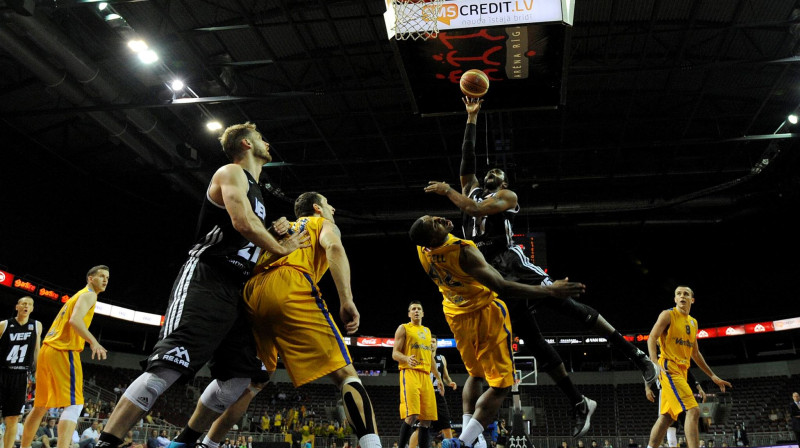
[474,83]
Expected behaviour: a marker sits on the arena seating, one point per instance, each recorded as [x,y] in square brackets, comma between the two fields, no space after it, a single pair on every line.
[622,409]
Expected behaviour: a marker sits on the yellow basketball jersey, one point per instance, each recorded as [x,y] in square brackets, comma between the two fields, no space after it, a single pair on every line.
[462,293]
[312,260]
[61,335]
[418,343]
[679,339]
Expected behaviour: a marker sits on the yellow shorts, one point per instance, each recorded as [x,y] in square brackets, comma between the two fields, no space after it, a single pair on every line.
[676,393]
[59,378]
[417,396]
[483,338]
[290,318]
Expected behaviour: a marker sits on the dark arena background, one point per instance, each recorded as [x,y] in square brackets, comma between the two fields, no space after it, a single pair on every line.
[651,144]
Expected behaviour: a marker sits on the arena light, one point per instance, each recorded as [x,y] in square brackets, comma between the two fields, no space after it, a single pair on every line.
[102,6]
[137,45]
[112,16]
[792,119]
[214,125]
[148,56]
[177,85]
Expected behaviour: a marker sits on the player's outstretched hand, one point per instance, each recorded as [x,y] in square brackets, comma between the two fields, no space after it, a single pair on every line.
[565,288]
[440,188]
[297,241]
[440,386]
[473,105]
[350,316]
[281,226]
[99,351]
[721,383]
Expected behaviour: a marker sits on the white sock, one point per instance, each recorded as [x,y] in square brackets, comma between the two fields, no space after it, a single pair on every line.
[464,421]
[370,441]
[210,443]
[470,432]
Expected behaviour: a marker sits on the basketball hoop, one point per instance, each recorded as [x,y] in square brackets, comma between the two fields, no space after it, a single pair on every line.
[416,19]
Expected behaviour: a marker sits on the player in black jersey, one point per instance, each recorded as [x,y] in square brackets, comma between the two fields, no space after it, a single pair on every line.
[205,320]
[488,215]
[20,338]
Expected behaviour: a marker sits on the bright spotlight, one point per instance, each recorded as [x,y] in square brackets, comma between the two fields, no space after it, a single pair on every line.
[214,125]
[112,16]
[137,45]
[102,6]
[177,85]
[792,119]
[148,56]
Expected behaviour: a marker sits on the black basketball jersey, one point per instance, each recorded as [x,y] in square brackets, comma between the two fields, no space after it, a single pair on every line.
[18,344]
[439,367]
[219,243]
[493,233]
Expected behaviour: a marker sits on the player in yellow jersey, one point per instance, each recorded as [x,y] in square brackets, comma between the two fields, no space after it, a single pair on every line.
[290,318]
[479,320]
[675,333]
[59,376]
[413,350]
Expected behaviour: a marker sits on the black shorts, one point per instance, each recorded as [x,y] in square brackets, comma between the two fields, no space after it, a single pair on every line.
[206,322]
[13,391]
[442,412]
[515,266]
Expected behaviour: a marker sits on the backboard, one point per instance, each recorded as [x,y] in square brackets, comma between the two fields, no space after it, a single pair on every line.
[520,44]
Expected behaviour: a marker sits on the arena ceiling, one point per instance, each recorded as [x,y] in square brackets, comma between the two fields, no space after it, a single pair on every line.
[671,107]
[674,119]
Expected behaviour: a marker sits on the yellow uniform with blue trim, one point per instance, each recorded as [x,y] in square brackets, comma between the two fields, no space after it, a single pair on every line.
[417,396]
[59,375]
[478,319]
[289,316]
[676,344]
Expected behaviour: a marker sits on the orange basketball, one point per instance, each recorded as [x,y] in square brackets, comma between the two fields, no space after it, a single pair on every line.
[474,83]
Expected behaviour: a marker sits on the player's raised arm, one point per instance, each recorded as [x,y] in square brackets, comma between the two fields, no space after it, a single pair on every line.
[467,170]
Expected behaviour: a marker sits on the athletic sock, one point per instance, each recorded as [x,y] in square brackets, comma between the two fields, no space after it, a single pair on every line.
[566,386]
[107,440]
[424,438]
[465,420]
[188,436]
[210,443]
[405,434]
[471,431]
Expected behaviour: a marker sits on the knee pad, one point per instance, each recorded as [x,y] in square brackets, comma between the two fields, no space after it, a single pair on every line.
[547,357]
[71,413]
[219,395]
[358,407]
[144,390]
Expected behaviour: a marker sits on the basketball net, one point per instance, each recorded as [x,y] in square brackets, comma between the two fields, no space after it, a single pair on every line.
[416,19]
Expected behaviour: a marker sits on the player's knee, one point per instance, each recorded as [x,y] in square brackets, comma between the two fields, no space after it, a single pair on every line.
[144,390]
[219,395]
[71,413]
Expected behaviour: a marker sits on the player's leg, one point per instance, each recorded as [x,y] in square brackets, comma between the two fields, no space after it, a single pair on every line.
[357,406]
[233,414]
[659,430]
[189,337]
[410,397]
[11,429]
